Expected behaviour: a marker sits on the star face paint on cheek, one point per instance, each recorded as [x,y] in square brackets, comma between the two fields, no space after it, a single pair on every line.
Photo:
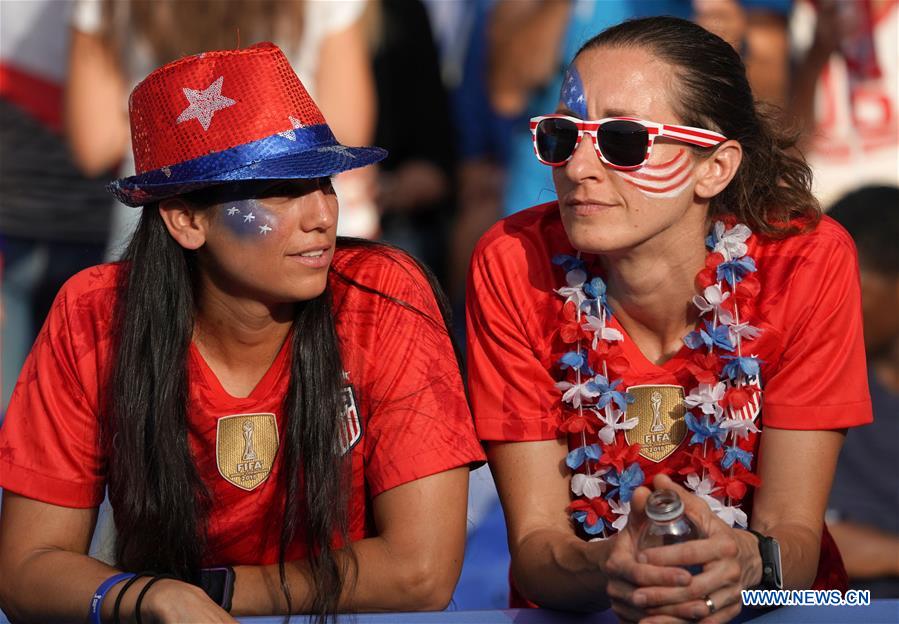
[572,93]
[247,218]
[668,179]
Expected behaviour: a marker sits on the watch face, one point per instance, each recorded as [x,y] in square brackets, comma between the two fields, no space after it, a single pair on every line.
[772,572]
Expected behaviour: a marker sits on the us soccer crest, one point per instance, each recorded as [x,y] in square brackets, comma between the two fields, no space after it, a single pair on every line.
[751,410]
[245,448]
[661,426]
[350,425]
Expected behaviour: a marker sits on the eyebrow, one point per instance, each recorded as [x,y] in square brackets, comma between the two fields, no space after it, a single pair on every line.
[611,112]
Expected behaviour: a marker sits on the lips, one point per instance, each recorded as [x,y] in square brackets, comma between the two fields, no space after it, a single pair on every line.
[316,257]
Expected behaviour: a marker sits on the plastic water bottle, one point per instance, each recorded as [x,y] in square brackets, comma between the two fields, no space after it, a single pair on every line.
[667,524]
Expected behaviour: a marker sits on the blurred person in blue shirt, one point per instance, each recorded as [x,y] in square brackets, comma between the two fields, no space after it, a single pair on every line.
[863,513]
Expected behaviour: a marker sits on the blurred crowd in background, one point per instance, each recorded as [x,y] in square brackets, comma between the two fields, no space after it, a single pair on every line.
[447,86]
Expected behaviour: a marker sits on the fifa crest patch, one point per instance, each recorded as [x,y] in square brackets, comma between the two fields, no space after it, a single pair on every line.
[661,427]
[245,448]
[350,425]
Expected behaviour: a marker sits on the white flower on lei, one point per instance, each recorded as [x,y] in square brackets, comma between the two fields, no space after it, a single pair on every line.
[623,510]
[732,243]
[740,427]
[743,331]
[574,291]
[732,515]
[711,300]
[703,488]
[600,331]
[590,486]
[576,393]
[706,397]
[610,416]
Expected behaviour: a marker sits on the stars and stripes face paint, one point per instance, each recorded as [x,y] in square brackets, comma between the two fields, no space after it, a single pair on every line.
[663,180]
[247,218]
[572,93]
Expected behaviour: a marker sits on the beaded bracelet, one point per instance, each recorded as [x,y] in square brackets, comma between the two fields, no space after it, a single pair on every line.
[93,613]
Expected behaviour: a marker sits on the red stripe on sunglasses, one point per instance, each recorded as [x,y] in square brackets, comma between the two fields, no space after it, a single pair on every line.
[610,146]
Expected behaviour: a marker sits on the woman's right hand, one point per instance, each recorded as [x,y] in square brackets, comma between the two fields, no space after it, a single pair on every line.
[625,574]
[174,602]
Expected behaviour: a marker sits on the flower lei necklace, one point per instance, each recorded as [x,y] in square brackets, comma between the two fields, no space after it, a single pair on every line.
[722,408]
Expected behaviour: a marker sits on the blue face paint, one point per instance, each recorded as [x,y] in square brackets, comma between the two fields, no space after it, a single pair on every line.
[572,93]
[246,218]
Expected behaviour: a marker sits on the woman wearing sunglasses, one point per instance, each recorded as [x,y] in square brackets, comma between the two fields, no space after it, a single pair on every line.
[277,413]
[682,317]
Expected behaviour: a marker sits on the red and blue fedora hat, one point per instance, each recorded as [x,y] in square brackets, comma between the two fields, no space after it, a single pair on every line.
[224,117]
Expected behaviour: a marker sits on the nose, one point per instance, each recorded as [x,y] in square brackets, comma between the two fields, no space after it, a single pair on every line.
[319,211]
[585,163]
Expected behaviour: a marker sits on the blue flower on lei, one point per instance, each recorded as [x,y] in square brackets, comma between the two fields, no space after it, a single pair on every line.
[710,337]
[576,361]
[569,263]
[704,430]
[590,529]
[735,270]
[626,482]
[578,456]
[608,393]
[733,454]
[748,365]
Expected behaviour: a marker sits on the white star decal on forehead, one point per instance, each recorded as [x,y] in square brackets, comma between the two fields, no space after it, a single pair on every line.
[290,135]
[233,210]
[339,149]
[264,229]
[205,103]
[249,217]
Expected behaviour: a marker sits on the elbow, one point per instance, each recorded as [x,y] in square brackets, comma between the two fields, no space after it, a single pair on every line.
[92,163]
[428,587]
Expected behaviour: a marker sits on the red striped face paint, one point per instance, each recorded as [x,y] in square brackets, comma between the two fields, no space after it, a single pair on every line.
[667,179]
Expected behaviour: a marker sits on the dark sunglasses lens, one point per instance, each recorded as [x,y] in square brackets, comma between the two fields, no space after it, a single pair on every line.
[623,142]
[556,139]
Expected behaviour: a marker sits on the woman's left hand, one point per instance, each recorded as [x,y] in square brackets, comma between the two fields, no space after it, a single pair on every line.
[729,559]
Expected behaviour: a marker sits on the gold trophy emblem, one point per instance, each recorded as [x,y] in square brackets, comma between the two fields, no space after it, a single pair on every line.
[249,453]
[245,448]
[660,412]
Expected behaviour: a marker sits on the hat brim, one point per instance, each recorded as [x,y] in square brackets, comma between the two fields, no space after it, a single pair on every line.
[317,162]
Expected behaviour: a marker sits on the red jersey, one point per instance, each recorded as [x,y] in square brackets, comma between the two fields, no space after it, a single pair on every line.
[405,413]
[811,348]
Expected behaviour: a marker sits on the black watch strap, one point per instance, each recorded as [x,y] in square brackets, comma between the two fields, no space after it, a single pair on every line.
[218,583]
[769,551]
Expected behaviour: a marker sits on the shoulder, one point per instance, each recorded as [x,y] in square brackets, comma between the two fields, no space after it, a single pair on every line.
[526,238]
[828,241]
[367,269]
[92,286]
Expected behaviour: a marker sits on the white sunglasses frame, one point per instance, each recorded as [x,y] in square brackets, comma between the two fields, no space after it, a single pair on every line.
[699,137]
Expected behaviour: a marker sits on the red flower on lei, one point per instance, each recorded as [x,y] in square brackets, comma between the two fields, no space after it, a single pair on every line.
[619,454]
[595,507]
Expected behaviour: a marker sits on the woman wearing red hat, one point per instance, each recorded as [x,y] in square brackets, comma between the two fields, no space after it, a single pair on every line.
[277,414]
[682,317]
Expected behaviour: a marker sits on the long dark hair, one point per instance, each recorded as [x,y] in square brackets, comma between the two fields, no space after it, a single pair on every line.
[159,501]
[771,191]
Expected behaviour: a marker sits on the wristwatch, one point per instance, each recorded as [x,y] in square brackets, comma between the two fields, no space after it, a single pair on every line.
[218,583]
[772,572]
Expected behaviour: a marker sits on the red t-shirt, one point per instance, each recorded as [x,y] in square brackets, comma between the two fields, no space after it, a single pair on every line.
[809,309]
[406,416]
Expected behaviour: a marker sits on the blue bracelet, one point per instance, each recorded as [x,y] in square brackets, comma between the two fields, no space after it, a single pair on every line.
[97,599]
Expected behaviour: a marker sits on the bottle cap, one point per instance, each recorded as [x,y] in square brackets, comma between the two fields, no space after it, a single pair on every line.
[664,505]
